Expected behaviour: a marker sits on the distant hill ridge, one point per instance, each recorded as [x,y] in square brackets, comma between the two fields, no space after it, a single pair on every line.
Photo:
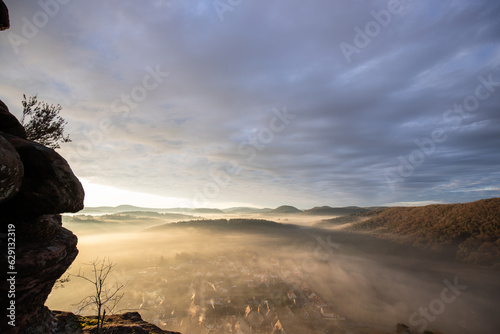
[253,225]
[246,210]
[283,209]
[328,210]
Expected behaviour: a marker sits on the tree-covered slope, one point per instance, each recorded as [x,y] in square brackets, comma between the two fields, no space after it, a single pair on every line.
[471,229]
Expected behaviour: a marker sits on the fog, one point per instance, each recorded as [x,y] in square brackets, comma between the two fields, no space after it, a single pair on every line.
[221,278]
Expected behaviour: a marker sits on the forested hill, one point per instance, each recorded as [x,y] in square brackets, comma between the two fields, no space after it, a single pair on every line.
[227,225]
[471,229]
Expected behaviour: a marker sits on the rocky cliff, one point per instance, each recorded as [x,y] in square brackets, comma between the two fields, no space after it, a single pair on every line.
[36,186]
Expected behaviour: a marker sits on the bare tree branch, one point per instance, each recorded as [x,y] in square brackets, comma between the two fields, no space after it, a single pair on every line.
[105,298]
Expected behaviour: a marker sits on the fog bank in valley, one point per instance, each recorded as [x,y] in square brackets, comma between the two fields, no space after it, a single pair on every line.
[206,277]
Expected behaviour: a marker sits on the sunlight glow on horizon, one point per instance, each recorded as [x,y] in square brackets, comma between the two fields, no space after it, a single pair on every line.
[97,195]
[102,195]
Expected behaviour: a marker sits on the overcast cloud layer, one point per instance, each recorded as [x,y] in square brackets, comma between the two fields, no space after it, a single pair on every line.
[268,102]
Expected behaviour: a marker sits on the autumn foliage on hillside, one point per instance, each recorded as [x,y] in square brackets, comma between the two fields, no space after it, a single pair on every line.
[471,230]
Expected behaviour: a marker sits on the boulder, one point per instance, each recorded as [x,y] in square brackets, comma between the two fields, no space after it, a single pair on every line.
[4,16]
[49,185]
[11,170]
[9,123]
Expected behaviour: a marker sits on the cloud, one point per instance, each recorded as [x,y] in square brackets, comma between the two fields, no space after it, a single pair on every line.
[353,120]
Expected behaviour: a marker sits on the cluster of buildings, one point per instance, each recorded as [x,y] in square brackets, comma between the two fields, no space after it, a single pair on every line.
[325,310]
[238,294]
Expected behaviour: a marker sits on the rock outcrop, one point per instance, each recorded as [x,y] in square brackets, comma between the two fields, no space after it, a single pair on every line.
[11,170]
[4,16]
[36,184]
[45,251]
[9,123]
[127,323]
[48,184]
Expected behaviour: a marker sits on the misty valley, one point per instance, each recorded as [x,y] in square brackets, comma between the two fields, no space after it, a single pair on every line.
[250,271]
[167,167]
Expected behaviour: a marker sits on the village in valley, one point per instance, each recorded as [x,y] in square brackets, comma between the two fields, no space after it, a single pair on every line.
[231,293]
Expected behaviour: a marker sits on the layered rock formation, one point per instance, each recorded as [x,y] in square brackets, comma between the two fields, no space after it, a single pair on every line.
[36,185]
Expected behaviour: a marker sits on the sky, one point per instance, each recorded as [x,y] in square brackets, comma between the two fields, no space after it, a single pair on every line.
[222,103]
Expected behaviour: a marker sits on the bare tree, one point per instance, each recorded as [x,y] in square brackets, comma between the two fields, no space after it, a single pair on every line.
[105,298]
[43,123]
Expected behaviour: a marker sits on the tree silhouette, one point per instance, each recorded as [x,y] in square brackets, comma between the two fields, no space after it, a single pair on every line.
[105,298]
[43,123]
